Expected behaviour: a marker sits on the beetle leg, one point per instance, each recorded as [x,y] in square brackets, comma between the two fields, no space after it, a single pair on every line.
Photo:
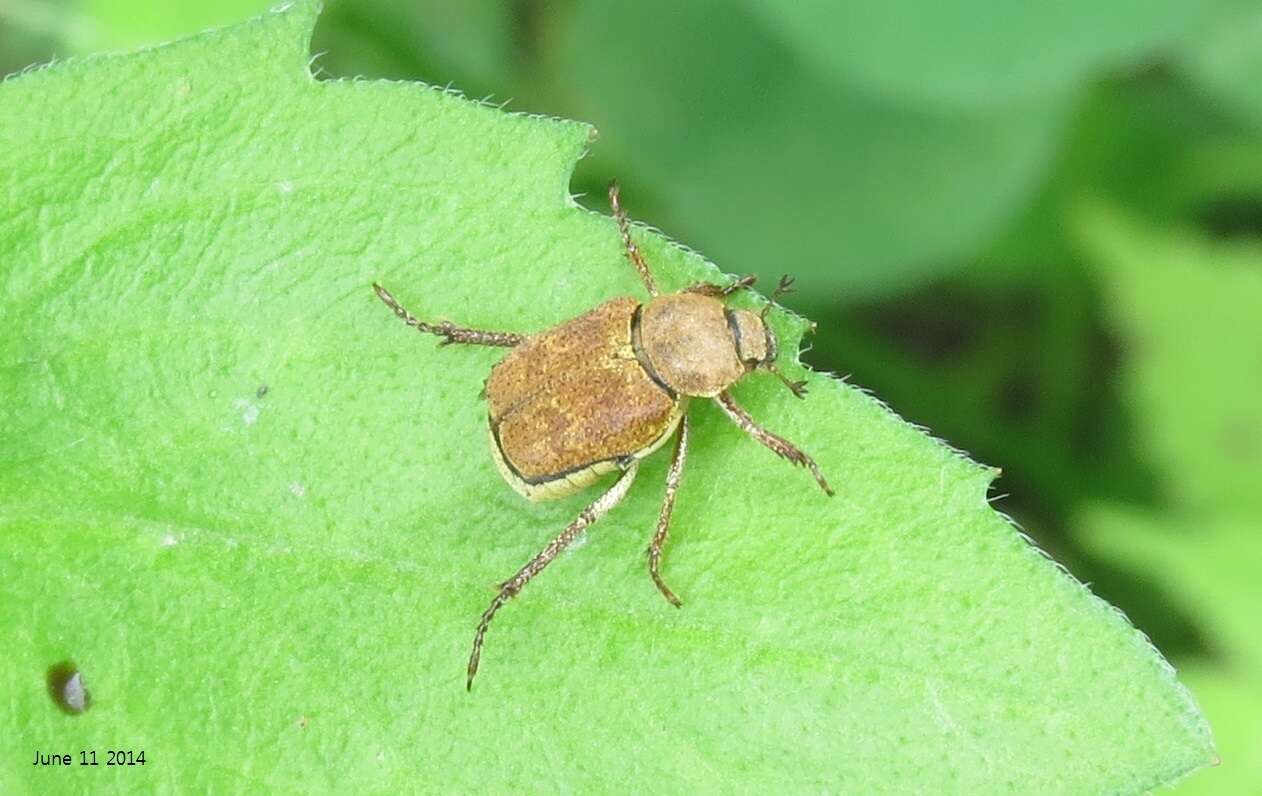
[447,330]
[783,289]
[778,445]
[511,587]
[633,251]
[721,291]
[668,505]
[798,388]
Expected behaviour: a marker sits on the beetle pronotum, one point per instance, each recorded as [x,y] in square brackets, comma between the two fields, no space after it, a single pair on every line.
[598,393]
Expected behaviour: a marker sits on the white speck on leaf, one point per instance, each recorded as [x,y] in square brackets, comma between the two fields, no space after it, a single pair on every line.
[285,186]
[945,721]
[298,489]
[249,410]
[74,693]
[170,540]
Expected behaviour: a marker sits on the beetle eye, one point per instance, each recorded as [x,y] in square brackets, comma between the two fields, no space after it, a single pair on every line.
[773,345]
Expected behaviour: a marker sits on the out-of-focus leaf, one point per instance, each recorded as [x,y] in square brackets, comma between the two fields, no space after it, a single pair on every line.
[1212,565]
[1121,130]
[1189,309]
[118,24]
[33,33]
[470,44]
[1192,313]
[1212,568]
[979,52]
[259,515]
[1227,62]
[774,166]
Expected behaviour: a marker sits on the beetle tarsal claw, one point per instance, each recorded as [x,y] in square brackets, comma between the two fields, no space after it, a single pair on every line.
[669,595]
[784,287]
[810,464]
[798,388]
[654,562]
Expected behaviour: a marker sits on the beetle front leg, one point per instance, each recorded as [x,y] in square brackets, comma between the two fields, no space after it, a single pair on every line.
[447,330]
[779,445]
[668,505]
[511,587]
[633,251]
[798,388]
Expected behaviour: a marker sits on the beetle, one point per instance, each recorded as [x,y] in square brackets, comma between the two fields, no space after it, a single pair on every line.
[598,393]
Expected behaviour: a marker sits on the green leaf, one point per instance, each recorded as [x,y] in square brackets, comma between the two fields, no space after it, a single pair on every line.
[772,165]
[259,514]
[1188,308]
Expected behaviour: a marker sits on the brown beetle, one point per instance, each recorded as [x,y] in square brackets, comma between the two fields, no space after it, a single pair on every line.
[598,393]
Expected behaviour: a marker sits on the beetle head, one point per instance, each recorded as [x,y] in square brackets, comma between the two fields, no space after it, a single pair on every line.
[755,342]
[758,347]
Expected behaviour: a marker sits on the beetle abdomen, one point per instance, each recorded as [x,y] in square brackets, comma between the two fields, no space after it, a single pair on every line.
[573,402]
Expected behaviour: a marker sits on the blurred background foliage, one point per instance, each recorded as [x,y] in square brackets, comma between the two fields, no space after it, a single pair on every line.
[1033,228]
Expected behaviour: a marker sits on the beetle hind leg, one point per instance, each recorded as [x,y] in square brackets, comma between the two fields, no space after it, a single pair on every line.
[447,330]
[513,586]
[668,506]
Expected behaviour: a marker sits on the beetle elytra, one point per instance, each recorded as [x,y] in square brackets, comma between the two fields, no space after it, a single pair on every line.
[598,393]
